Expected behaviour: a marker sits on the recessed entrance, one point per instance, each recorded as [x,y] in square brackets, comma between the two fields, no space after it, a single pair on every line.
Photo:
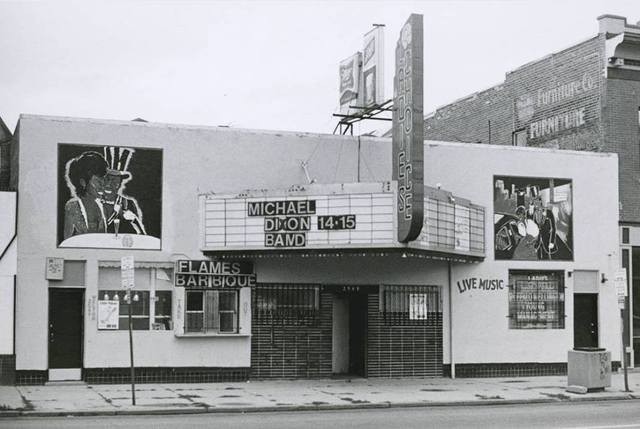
[349,331]
[65,333]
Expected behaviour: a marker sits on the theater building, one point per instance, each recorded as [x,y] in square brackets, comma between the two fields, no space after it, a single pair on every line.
[585,97]
[262,254]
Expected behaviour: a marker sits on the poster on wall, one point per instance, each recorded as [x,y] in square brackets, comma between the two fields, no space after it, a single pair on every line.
[536,299]
[533,218]
[108,313]
[109,197]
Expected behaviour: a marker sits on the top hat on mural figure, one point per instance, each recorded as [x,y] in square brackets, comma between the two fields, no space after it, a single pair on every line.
[118,159]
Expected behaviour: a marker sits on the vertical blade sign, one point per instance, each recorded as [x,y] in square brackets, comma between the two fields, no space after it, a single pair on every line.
[408,129]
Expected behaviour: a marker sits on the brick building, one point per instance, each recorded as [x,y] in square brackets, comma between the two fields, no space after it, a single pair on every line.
[585,97]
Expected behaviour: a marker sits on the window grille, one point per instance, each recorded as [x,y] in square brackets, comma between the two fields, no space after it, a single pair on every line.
[410,305]
[291,303]
[536,300]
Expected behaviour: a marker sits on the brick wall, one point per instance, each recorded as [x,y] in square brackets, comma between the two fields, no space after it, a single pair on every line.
[403,350]
[555,100]
[286,349]
[622,135]
[484,117]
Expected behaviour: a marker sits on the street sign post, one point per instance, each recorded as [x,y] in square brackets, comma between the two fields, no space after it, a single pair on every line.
[620,283]
[127,266]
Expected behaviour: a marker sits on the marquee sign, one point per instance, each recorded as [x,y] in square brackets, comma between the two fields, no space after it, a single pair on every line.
[214,274]
[336,216]
[408,129]
[330,217]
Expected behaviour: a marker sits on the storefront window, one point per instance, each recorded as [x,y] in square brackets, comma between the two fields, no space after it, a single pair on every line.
[163,311]
[153,286]
[213,311]
[139,309]
[536,300]
[409,305]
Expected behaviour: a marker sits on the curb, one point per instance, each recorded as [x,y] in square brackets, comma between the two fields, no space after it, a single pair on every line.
[318,407]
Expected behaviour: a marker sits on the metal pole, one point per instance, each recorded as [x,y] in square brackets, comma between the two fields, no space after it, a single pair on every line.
[133,371]
[624,354]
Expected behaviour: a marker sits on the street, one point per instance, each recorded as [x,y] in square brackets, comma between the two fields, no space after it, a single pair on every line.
[587,415]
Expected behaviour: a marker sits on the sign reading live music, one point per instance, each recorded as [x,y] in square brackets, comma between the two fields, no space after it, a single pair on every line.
[408,132]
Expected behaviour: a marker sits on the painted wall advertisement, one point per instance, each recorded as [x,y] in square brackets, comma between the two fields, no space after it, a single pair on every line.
[408,130]
[533,218]
[109,197]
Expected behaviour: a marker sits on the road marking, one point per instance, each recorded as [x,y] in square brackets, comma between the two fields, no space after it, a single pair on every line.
[633,425]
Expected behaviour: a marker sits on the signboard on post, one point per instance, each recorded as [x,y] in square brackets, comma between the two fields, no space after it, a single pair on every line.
[127,272]
[408,129]
[620,282]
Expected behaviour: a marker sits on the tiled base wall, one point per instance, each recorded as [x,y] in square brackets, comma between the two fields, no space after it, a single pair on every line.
[521,369]
[7,369]
[164,375]
[26,377]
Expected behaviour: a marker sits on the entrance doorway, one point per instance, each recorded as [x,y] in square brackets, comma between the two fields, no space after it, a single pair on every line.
[585,320]
[350,331]
[65,333]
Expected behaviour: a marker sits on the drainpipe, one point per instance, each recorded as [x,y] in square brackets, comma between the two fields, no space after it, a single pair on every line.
[452,361]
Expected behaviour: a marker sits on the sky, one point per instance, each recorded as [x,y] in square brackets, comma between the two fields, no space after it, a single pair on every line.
[261,64]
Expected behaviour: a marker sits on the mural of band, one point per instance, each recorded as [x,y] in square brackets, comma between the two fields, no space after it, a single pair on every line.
[533,218]
[109,197]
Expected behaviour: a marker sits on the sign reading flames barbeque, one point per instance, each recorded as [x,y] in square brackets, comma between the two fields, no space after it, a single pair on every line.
[214,274]
[408,133]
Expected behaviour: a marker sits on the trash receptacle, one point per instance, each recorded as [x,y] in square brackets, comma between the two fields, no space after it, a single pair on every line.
[589,367]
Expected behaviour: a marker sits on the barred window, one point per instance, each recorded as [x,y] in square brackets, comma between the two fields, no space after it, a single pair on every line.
[212,311]
[293,303]
[410,305]
[536,300]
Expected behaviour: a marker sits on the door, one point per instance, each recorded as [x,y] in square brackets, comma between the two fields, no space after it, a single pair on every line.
[358,334]
[350,331]
[585,320]
[65,327]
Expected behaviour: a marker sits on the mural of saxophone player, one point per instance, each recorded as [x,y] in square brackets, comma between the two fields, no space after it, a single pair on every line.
[122,212]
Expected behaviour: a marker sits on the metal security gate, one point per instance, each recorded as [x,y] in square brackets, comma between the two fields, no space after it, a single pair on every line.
[291,331]
[405,332]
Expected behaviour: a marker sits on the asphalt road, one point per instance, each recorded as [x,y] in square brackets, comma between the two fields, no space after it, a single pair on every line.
[587,415]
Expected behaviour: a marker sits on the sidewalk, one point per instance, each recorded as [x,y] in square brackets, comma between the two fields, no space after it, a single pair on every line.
[102,399]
